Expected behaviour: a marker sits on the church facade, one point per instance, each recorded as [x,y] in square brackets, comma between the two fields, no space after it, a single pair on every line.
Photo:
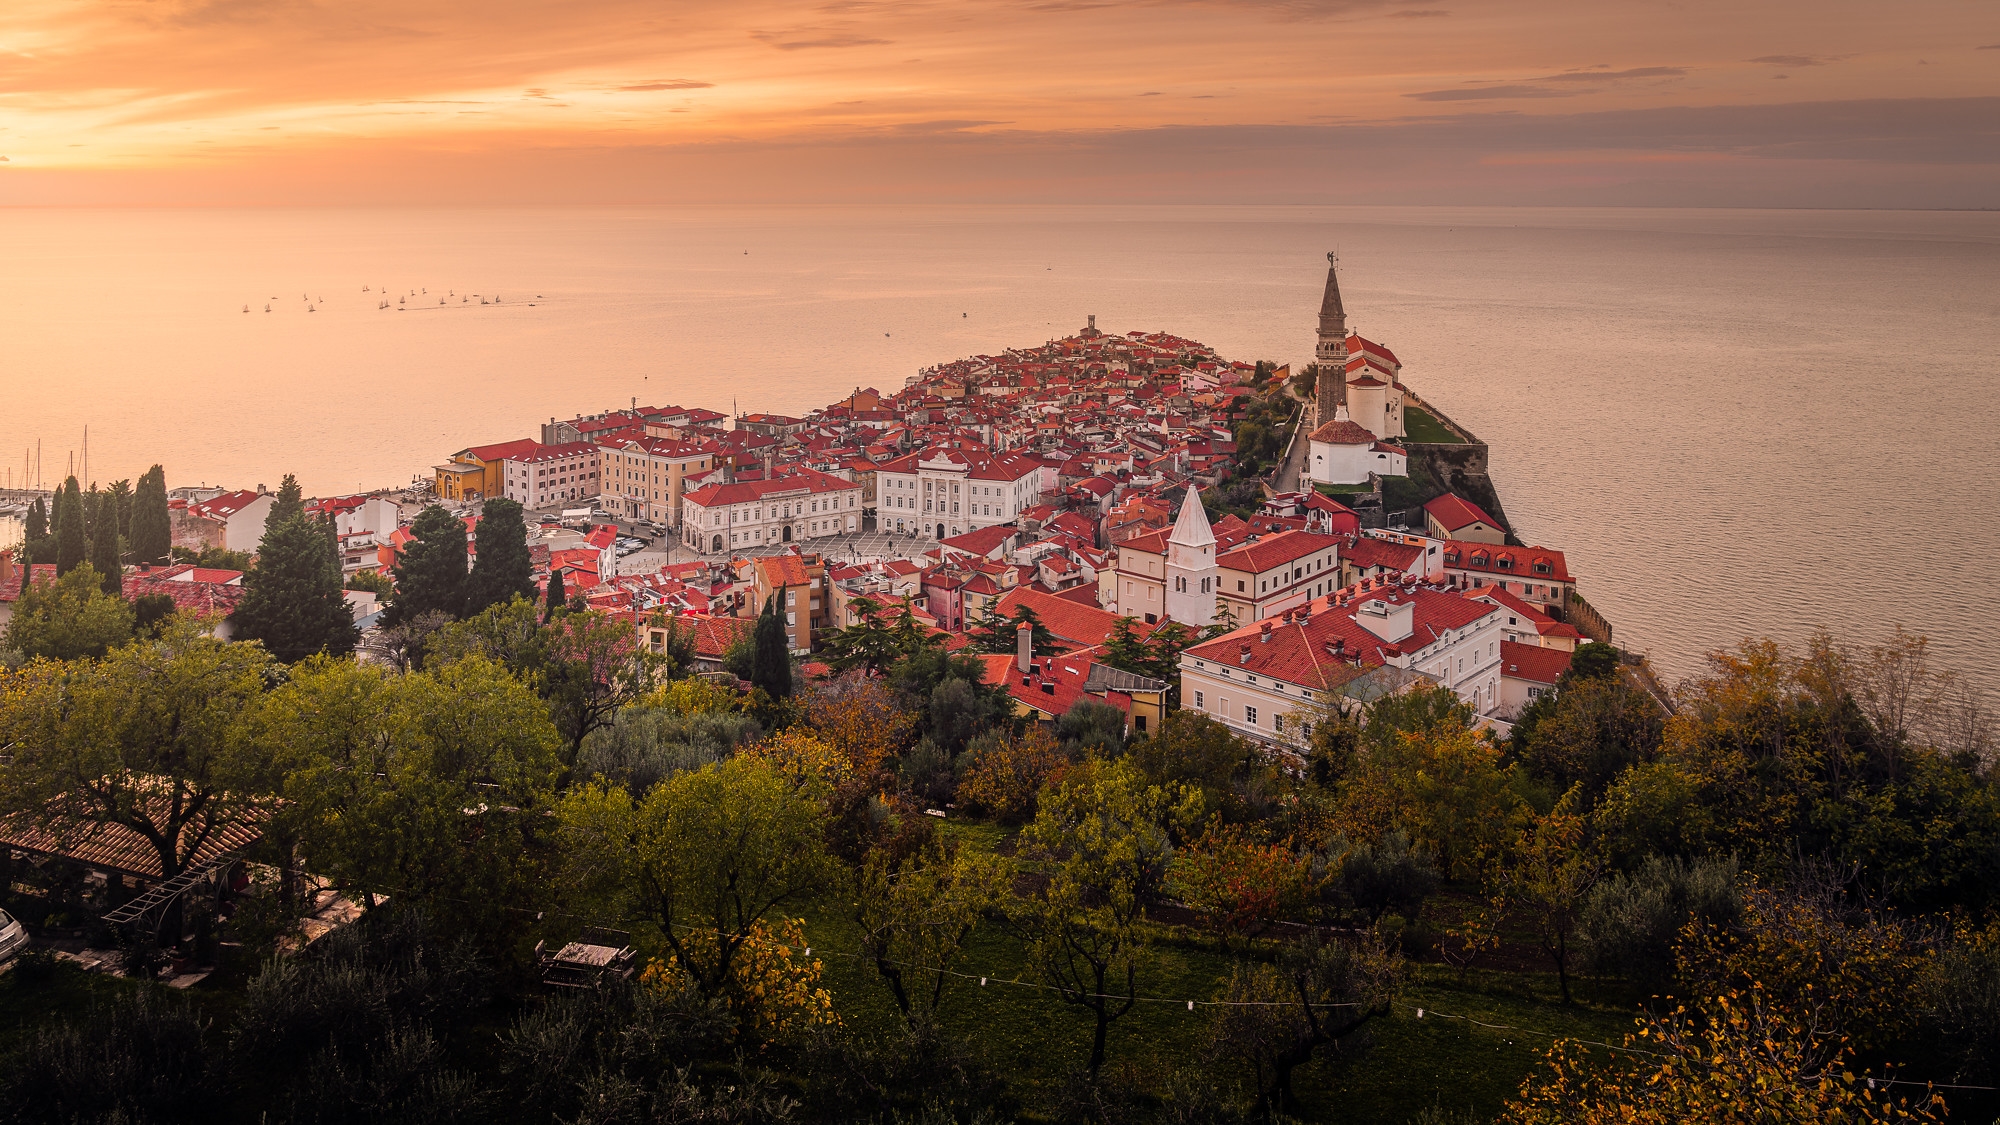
[1358,399]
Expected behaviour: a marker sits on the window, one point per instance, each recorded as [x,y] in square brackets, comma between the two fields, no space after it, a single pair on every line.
[1198,704]
[1277,722]
[1250,715]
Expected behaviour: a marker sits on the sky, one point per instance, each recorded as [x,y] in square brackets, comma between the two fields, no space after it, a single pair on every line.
[1831,103]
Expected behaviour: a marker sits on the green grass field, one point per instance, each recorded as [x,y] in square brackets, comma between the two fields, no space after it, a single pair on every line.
[1427,430]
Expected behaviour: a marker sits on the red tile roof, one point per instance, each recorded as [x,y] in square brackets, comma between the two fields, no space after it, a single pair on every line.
[1507,562]
[1453,511]
[1070,621]
[1532,662]
[1299,654]
[800,480]
[1273,551]
[1343,431]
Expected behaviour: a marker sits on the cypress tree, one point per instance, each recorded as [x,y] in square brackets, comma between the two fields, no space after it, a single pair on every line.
[431,574]
[293,602]
[104,553]
[152,531]
[120,495]
[288,503]
[772,670]
[38,521]
[501,569]
[555,597]
[72,544]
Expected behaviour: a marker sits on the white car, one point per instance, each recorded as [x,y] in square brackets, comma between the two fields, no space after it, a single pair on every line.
[13,936]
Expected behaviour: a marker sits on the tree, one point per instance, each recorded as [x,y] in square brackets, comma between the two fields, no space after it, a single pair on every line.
[1592,660]
[772,669]
[427,787]
[862,719]
[288,503]
[104,552]
[1106,837]
[152,529]
[591,667]
[501,568]
[1446,787]
[1276,1017]
[430,576]
[916,908]
[294,603]
[1550,881]
[38,521]
[373,582]
[1006,772]
[120,494]
[1588,732]
[1192,749]
[143,739]
[1238,886]
[72,541]
[1734,1058]
[868,644]
[702,860]
[71,618]
[555,597]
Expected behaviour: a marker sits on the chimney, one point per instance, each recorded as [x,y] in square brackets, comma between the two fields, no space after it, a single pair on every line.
[1024,644]
[1244,656]
[1264,633]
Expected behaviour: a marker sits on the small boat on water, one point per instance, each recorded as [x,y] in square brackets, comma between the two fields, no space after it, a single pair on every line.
[246,308]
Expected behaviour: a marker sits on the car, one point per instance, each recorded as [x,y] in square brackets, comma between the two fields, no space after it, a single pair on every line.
[13,936]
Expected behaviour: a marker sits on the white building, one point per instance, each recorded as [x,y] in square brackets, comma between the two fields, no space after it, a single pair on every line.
[1350,646]
[1345,452]
[803,504]
[947,492]
[543,475]
[233,520]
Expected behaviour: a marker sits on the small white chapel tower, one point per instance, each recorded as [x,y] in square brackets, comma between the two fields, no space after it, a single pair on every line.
[1191,571]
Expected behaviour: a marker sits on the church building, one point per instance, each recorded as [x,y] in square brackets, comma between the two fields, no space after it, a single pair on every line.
[1359,400]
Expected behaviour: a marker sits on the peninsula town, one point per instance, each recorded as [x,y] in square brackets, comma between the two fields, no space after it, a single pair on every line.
[1324,533]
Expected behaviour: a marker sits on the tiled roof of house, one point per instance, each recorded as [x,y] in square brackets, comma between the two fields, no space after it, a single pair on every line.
[1507,562]
[1453,511]
[801,481]
[1273,551]
[1532,662]
[1069,621]
[1300,649]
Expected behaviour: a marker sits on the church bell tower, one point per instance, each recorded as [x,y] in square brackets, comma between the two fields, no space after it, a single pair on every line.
[1331,354]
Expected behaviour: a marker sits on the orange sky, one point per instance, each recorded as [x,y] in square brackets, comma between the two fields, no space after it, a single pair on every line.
[270,101]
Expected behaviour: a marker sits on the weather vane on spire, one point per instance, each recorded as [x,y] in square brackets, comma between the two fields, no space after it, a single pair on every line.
[1332,256]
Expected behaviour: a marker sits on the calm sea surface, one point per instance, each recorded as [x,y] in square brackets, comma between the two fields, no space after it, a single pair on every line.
[1734,422]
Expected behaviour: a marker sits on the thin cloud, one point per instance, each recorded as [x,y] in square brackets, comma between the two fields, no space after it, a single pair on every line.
[1418,14]
[1790,60]
[1488,93]
[667,84]
[780,40]
[1616,75]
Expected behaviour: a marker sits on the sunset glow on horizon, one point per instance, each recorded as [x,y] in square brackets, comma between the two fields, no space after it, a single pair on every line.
[1264,100]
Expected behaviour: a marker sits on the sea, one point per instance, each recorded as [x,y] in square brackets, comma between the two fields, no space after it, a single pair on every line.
[1735,423]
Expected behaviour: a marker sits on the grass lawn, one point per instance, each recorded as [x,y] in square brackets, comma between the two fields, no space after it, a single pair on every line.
[1424,429]
[1343,489]
[1036,1039]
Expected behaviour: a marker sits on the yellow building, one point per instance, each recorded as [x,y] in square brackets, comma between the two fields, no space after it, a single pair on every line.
[478,472]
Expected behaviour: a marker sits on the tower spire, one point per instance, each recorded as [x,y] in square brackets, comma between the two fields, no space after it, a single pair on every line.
[1331,353]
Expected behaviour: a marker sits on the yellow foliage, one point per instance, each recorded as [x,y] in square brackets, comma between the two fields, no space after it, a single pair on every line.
[1005,780]
[1735,1060]
[773,989]
[691,697]
[804,759]
[1444,787]
[863,720]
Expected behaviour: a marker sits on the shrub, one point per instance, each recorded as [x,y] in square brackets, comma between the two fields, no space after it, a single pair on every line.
[1386,877]
[926,772]
[1632,923]
[1003,779]
[645,745]
[142,1057]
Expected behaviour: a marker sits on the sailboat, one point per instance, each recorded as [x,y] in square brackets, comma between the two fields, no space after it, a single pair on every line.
[246,308]
[267,308]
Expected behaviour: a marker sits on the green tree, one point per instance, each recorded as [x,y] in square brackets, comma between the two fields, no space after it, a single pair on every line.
[1106,837]
[152,530]
[701,860]
[120,492]
[501,568]
[69,619]
[72,534]
[373,582]
[591,668]
[1587,732]
[772,668]
[294,603]
[37,522]
[1275,1017]
[143,739]
[1592,660]
[428,788]
[1192,749]
[104,552]
[553,603]
[917,906]
[430,577]
[287,504]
